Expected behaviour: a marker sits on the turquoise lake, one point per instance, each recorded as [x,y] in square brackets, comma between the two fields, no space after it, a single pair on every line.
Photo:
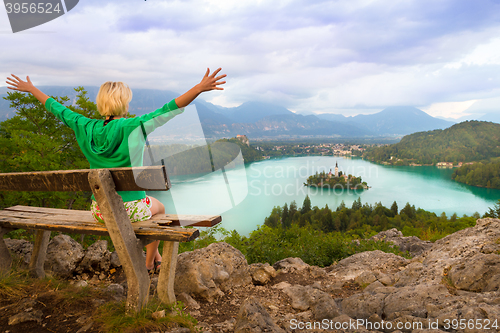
[245,195]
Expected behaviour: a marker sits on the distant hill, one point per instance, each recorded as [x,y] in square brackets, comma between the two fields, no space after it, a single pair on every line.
[464,142]
[393,120]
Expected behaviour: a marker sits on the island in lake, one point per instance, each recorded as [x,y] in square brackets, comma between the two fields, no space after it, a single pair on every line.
[336,180]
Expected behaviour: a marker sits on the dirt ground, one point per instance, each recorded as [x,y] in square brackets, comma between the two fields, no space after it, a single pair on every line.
[72,310]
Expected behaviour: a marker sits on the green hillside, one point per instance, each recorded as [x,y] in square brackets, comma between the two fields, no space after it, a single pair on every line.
[468,141]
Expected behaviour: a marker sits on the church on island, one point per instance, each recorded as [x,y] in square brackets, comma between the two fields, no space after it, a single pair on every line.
[337,180]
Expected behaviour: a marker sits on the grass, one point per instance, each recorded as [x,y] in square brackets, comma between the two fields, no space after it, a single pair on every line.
[114,318]
[111,316]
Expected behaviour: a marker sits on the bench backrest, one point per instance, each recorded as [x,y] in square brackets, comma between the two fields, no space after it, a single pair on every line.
[150,178]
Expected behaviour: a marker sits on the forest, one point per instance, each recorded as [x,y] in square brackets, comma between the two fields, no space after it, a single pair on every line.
[483,174]
[468,141]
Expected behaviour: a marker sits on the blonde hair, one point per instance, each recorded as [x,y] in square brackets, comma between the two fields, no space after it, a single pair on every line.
[113,98]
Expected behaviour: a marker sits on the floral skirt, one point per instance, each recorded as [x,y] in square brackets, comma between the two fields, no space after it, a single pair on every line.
[137,210]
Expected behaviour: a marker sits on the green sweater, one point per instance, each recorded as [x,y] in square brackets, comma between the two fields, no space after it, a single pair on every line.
[118,144]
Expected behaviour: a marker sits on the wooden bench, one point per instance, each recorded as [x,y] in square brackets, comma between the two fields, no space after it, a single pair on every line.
[128,238]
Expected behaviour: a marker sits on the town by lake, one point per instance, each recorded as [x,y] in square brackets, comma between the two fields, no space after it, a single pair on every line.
[245,195]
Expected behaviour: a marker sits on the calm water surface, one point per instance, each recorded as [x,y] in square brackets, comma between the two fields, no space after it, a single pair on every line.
[244,196]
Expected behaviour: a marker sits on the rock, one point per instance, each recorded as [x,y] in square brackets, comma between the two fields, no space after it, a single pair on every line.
[373,286]
[158,315]
[114,261]
[96,258]
[210,271]
[454,249]
[261,273]
[365,278]
[23,317]
[81,284]
[412,244]
[226,326]
[188,301]
[363,305]
[322,305]
[20,248]
[479,273]
[281,285]
[375,262]
[253,318]
[63,256]
[412,300]
[116,290]
[288,265]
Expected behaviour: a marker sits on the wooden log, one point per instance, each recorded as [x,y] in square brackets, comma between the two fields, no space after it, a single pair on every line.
[5,258]
[167,272]
[152,178]
[39,254]
[123,237]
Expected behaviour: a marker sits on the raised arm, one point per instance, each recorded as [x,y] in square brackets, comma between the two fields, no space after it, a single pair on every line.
[16,83]
[209,82]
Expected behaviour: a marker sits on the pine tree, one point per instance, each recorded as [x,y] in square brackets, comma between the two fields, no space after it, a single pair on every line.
[394,208]
[306,205]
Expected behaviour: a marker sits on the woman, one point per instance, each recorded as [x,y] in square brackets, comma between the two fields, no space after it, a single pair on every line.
[106,144]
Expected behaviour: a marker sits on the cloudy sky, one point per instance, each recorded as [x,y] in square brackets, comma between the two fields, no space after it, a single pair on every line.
[346,56]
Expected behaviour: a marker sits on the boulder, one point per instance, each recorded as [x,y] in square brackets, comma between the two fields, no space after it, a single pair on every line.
[261,273]
[452,250]
[322,305]
[253,318]
[412,300]
[377,263]
[413,245]
[63,256]
[96,258]
[288,265]
[363,305]
[20,248]
[210,271]
[479,273]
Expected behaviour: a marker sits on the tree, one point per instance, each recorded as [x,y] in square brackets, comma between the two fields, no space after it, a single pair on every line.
[306,205]
[35,140]
[292,210]
[494,211]
[285,217]
[394,208]
[356,204]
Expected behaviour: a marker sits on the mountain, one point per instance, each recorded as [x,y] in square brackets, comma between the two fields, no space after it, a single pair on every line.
[258,119]
[464,142]
[250,112]
[394,120]
[287,125]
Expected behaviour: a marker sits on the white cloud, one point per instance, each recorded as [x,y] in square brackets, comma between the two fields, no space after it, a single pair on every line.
[305,55]
[450,109]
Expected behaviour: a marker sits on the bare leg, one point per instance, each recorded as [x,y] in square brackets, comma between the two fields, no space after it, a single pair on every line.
[152,253]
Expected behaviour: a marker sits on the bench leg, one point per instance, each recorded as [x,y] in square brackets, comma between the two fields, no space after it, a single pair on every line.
[39,254]
[122,234]
[167,272]
[5,258]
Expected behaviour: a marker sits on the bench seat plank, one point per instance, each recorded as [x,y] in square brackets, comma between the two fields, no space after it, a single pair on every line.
[85,215]
[151,231]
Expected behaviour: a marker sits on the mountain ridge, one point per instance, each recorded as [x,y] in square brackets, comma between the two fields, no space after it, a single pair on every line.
[259,119]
